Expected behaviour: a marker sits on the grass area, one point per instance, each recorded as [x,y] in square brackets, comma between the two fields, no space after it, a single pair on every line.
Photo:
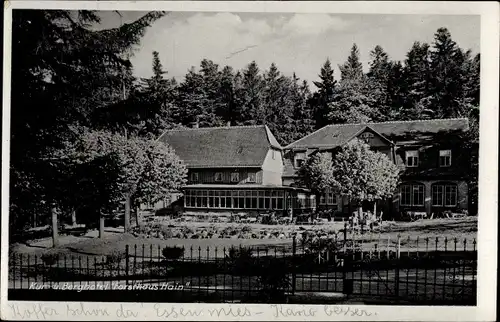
[413,236]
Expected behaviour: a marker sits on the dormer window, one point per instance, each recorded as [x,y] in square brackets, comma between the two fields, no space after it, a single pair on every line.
[194,176]
[445,158]
[299,159]
[412,159]
[251,177]
[218,177]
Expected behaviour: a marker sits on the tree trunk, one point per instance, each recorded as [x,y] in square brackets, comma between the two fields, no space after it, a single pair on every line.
[55,234]
[101,225]
[127,213]
[73,218]
[137,216]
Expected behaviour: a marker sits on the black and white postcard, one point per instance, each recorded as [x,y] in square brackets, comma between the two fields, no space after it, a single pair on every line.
[250,160]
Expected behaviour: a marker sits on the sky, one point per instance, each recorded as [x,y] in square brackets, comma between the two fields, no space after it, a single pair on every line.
[297,42]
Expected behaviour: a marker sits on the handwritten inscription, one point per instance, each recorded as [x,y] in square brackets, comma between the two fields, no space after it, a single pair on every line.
[41,311]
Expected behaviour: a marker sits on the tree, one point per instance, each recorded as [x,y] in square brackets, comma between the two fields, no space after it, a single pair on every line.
[416,77]
[278,100]
[352,69]
[253,109]
[353,101]
[76,71]
[146,170]
[378,82]
[324,95]
[446,82]
[303,113]
[317,173]
[362,174]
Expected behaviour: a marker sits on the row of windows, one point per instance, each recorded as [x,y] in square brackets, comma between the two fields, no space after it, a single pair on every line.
[442,195]
[218,177]
[412,158]
[244,199]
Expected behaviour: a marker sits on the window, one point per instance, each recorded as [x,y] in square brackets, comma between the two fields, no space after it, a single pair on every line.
[251,177]
[412,195]
[328,198]
[444,158]
[218,177]
[366,137]
[299,159]
[235,177]
[444,195]
[195,176]
[412,159]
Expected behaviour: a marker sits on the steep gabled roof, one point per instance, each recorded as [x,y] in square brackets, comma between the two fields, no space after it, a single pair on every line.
[221,147]
[338,134]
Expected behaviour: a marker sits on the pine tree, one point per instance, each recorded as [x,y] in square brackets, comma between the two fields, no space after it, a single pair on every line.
[352,69]
[445,81]
[253,108]
[303,114]
[378,82]
[324,96]
[417,73]
[353,101]
[227,107]
[191,98]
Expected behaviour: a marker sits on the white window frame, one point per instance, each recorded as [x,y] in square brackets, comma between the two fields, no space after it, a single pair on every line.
[218,175]
[195,176]
[235,176]
[412,189]
[444,155]
[414,156]
[443,189]
[252,177]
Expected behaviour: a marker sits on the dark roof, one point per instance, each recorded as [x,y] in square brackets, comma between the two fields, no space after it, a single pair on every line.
[220,147]
[338,134]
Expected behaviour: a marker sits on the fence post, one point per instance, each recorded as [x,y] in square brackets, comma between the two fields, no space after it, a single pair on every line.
[126,264]
[294,273]
[398,254]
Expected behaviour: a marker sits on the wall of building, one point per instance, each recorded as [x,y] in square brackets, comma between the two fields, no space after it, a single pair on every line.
[272,168]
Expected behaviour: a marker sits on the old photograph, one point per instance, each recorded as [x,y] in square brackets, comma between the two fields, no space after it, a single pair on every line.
[244,157]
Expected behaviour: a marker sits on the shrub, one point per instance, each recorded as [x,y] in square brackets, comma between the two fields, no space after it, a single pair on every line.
[172,253]
[274,280]
[167,232]
[246,229]
[115,257]
[49,259]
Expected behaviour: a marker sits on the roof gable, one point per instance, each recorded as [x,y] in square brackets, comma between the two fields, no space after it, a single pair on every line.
[368,129]
[235,146]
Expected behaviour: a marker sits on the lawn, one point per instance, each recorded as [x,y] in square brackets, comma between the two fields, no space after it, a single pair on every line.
[413,236]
